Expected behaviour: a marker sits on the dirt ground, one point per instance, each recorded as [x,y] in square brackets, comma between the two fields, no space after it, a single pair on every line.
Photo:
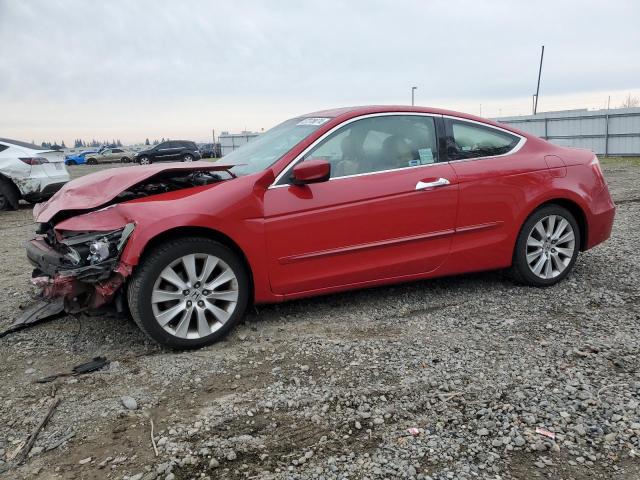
[327,387]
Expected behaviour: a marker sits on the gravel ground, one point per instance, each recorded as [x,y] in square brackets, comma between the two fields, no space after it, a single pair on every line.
[456,378]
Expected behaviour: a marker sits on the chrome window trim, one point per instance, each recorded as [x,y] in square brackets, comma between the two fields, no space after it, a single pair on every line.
[298,158]
[518,146]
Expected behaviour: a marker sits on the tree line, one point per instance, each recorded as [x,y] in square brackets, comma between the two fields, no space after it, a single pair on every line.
[80,143]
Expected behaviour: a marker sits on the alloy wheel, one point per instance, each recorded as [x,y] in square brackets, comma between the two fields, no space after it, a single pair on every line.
[550,246]
[188,158]
[194,296]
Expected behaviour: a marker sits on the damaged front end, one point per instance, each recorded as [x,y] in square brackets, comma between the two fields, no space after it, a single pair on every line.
[84,229]
[81,268]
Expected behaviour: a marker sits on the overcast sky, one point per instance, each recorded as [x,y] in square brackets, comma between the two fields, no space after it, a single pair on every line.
[135,69]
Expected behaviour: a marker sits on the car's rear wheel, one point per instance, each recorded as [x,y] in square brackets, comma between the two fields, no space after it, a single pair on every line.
[71,162]
[144,161]
[187,158]
[547,247]
[189,292]
[9,195]
[92,161]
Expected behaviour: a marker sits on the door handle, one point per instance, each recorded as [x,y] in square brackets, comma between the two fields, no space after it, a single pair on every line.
[440,182]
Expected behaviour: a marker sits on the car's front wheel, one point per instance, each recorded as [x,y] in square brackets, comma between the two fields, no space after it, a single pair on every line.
[144,160]
[547,247]
[187,158]
[189,293]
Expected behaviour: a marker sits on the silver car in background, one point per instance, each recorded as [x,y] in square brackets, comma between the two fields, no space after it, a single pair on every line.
[29,172]
[109,155]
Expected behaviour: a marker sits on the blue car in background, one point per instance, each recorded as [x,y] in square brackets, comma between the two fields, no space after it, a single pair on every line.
[78,158]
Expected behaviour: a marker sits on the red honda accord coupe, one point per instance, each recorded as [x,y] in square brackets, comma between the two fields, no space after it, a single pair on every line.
[325,202]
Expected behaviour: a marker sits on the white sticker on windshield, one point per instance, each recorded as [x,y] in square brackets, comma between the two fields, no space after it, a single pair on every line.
[313,121]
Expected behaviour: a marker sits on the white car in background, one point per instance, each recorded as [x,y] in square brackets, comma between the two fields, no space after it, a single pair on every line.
[29,172]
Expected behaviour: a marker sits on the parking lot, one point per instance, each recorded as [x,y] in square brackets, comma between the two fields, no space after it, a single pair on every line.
[465,377]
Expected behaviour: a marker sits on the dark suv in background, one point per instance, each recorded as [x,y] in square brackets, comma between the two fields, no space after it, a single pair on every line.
[169,151]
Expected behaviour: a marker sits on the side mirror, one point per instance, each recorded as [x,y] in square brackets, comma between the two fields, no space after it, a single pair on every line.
[311,171]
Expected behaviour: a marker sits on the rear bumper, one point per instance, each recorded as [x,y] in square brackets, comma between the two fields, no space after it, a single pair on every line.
[45,192]
[600,227]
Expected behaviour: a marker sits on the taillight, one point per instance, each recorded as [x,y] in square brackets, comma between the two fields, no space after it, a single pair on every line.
[595,165]
[34,160]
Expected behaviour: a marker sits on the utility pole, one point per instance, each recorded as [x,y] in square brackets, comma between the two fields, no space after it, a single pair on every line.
[413,89]
[535,104]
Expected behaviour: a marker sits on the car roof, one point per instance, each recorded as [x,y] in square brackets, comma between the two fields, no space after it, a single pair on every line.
[350,112]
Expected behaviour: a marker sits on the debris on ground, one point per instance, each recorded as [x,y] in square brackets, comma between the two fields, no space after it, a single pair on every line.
[22,456]
[545,432]
[93,365]
[39,311]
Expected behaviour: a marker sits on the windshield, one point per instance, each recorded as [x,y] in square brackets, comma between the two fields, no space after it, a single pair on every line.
[266,149]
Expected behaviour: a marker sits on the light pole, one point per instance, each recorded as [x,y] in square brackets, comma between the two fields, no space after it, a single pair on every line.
[535,102]
[413,91]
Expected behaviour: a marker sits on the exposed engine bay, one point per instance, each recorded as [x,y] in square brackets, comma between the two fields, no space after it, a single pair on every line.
[170,182]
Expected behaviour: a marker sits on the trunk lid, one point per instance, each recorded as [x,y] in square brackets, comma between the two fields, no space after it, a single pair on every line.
[55,167]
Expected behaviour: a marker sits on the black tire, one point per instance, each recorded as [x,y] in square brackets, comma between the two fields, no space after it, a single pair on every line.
[142,282]
[9,195]
[71,162]
[187,158]
[125,160]
[144,160]
[92,161]
[520,270]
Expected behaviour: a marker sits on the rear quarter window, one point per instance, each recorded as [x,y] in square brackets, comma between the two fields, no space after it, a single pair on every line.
[471,140]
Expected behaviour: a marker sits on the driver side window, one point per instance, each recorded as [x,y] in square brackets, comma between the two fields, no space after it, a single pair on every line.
[378,144]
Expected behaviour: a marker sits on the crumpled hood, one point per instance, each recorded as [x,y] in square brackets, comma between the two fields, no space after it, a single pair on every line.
[97,189]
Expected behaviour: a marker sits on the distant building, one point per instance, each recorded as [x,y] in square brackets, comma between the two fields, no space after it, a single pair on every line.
[231,141]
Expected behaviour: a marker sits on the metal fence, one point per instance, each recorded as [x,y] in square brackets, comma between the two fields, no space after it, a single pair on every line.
[605,132]
[232,141]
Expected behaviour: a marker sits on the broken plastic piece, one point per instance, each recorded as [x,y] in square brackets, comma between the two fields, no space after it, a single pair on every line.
[96,364]
[413,431]
[545,432]
[39,311]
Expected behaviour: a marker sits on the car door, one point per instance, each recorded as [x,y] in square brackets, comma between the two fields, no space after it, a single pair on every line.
[163,152]
[173,151]
[105,156]
[496,174]
[116,154]
[388,211]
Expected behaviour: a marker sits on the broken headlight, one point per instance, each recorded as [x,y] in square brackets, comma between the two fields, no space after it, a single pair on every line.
[95,248]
